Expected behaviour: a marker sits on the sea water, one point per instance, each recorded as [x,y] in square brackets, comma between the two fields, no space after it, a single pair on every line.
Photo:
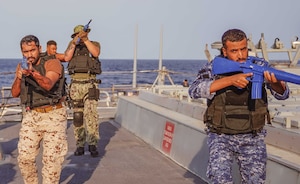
[119,71]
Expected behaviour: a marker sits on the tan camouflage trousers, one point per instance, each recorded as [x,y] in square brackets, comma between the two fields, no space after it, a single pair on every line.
[88,132]
[50,128]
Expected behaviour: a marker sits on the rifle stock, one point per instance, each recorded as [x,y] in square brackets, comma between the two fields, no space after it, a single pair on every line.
[254,65]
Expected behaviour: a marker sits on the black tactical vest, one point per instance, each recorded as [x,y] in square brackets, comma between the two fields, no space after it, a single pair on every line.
[32,95]
[232,111]
[83,62]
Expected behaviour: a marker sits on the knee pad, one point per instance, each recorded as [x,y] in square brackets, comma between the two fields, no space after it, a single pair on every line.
[78,119]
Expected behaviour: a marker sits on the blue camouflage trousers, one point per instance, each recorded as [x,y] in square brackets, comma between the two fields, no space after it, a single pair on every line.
[88,131]
[50,128]
[247,149]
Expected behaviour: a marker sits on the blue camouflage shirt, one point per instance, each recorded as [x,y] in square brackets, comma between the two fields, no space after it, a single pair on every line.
[200,87]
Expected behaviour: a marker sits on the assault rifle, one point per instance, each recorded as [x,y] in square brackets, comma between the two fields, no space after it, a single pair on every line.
[85,28]
[254,65]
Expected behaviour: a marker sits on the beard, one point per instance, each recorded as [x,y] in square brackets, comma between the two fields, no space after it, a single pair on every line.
[33,60]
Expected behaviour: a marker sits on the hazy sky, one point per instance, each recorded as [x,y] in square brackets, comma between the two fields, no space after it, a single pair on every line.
[187,24]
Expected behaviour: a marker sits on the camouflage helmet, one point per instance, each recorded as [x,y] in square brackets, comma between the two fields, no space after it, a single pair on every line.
[77,29]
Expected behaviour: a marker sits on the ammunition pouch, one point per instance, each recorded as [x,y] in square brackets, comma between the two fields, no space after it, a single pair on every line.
[78,119]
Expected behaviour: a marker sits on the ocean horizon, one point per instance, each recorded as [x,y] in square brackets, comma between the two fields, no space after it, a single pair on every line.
[119,71]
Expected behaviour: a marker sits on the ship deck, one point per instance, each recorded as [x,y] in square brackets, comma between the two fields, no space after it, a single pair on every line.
[133,132]
[124,159]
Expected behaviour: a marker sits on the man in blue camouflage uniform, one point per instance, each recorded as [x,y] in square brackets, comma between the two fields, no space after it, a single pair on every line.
[227,94]
[82,55]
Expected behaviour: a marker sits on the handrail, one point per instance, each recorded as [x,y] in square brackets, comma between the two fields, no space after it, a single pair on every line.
[261,47]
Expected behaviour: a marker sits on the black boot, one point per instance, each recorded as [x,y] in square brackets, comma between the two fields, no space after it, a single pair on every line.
[93,150]
[79,151]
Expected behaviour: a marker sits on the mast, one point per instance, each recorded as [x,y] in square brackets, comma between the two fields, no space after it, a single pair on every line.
[162,71]
[161,78]
[134,70]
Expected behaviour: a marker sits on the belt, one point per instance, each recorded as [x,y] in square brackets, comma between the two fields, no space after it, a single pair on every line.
[86,81]
[48,108]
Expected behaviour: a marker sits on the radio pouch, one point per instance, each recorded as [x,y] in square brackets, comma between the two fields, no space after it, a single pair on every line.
[94,93]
